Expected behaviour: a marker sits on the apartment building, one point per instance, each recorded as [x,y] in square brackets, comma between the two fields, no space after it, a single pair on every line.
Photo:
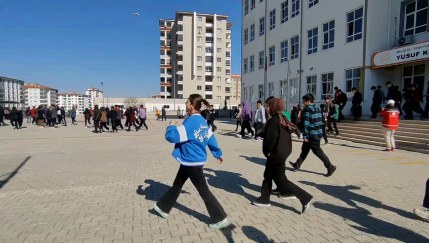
[294,47]
[235,90]
[195,53]
[70,99]
[93,93]
[36,94]
[11,92]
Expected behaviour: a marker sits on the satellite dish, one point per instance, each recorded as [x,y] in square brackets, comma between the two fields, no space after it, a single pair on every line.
[136,14]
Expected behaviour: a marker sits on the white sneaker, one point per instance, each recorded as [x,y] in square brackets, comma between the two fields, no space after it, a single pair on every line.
[422,213]
[238,135]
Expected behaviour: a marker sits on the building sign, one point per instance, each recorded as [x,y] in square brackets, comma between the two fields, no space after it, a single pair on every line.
[405,54]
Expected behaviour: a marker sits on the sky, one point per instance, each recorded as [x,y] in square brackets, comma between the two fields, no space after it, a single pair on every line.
[72,45]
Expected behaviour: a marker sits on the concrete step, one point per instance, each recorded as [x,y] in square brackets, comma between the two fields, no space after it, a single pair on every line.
[357,127]
[403,132]
[377,134]
[421,125]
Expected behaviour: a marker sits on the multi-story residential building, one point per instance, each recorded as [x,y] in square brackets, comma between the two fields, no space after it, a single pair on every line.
[196,56]
[36,94]
[70,99]
[235,91]
[294,47]
[11,93]
[93,93]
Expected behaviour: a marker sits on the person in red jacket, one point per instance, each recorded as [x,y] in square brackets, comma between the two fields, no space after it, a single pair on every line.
[390,124]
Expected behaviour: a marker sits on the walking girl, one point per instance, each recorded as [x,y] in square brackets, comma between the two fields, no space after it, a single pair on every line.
[191,139]
[277,146]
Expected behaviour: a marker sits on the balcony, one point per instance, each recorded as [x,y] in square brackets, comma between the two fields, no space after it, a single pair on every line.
[179,62]
[165,75]
[165,84]
[165,93]
[208,92]
[180,43]
[165,47]
[179,72]
[209,24]
[179,53]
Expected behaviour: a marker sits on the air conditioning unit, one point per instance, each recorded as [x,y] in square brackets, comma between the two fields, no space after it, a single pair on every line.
[405,40]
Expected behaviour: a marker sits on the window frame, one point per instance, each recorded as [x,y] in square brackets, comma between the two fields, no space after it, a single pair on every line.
[404,15]
[252,63]
[294,47]
[252,32]
[312,40]
[284,6]
[312,3]
[262,26]
[295,8]
[330,33]
[272,19]
[312,86]
[272,56]
[353,79]
[355,35]
[330,83]
[261,63]
[284,46]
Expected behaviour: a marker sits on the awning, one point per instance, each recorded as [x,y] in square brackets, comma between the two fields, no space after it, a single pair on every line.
[400,55]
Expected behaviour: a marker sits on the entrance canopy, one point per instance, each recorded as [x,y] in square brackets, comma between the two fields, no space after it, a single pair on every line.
[400,55]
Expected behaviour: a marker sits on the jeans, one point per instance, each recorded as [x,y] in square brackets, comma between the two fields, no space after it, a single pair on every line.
[143,122]
[275,170]
[333,121]
[389,137]
[96,125]
[118,123]
[313,145]
[246,125]
[195,173]
[87,121]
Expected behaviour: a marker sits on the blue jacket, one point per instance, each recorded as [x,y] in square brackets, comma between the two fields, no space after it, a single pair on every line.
[191,139]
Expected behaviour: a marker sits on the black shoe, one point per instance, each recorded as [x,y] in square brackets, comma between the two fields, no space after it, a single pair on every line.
[305,207]
[258,202]
[294,165]
[275,192]
[331,171]
[287,196]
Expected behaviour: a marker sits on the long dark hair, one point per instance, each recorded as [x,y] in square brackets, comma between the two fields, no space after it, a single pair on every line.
[197,101]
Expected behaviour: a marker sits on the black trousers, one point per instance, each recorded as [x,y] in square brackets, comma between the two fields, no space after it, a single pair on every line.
[275,171]
[246,125]
[132,123]
[163,117]
[143,122]
[238,124]
[213,126]
[73,120]
[314,146]
[87,121]
[426,200]
[118,123]
[341,116]
[103,125]
[375,109]
[195,173]
[96,125]
[114,128]
[333,121]
[325,137]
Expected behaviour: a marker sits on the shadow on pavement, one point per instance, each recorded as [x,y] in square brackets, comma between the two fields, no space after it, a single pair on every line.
[368,223]
[156,190]
[255,235]
[234,183]
[256,160]
[13,173]
[305,171]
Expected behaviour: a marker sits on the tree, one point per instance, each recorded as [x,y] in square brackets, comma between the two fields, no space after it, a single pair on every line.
[131,101]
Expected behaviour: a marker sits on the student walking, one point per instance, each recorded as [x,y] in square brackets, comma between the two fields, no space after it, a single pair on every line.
[103,120]
[312,133]
[87,115]
[191,139]
[112,115]
[390,124]
[356,104]
[246,117]
[97,117]
[118,118]
[260,120]
[277,146]
[163,114]
[334,111]
[237,114]
[424,213]
[376,102]
[131,117]
[142,116]
[324,112]
[73,114]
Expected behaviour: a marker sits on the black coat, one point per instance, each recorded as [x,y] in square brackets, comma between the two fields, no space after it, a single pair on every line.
[376,99]
[277,144]
[357,98]
[342,99]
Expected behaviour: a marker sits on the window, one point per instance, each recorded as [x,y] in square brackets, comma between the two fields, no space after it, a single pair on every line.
[199,78]
[209,59]
[273,19]
[219,50]
[352,79]
[294,46]
[312,85]
[199,38]
[246,36]
[354,25]
[219,40]
[227,63]
[293,90]
[209,97]
[415,17]
[199,68]
[228,54]
[219,59]
[270,89]
[219,31]
[283,50]
[295,8]
[209,50]
[252,93]
[199,58]
[245,93]
[198,87]
[252,4]
[328,35]
[219,69]
[227,89]
[272,56]
[245,64]
[285,11]
[246,7]
[327,85]
[219,88]
[312,40]
[283,88]
[261,26]
[252,63]
[209,39]
[199,48]
[200,30]
[311,3]
[200,19]
[252,32]
[219,79]
[414,75]
[261,60]
[209,69]
[260,91]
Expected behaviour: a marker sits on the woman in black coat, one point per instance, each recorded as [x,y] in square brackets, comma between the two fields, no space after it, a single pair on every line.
[277,146]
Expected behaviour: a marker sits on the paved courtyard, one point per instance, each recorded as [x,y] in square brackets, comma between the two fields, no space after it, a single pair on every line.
[70,185]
